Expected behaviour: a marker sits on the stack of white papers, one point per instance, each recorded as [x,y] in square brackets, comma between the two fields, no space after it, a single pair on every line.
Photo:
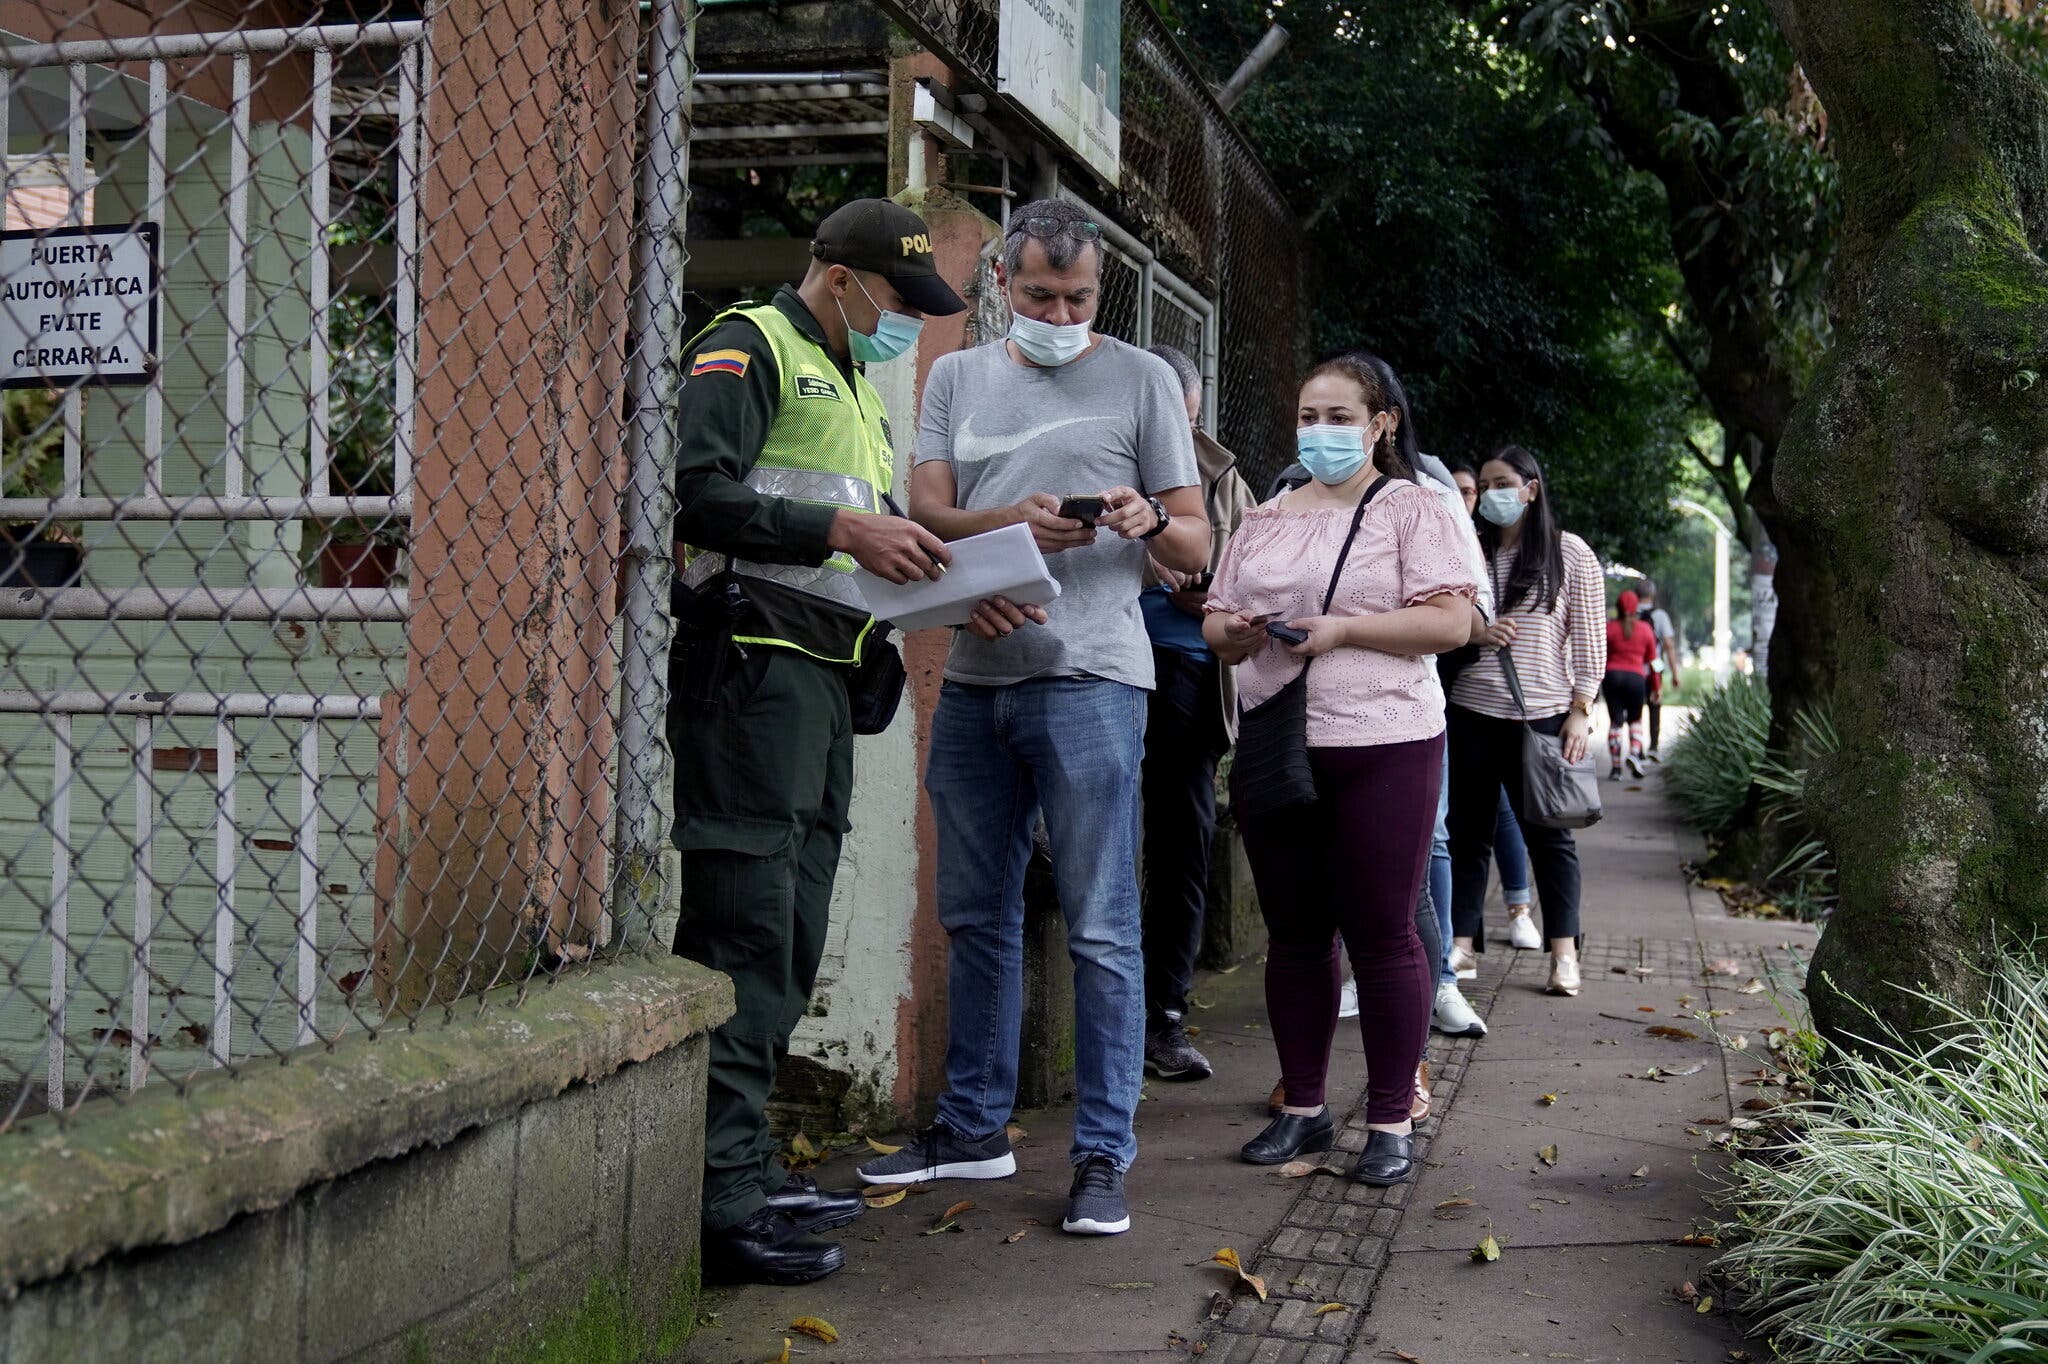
[996,563]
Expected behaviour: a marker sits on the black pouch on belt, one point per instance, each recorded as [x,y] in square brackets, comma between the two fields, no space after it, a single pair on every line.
[704,645]
[874,686]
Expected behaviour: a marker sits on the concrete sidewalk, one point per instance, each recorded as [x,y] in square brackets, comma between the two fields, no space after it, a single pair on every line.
[1588,1262]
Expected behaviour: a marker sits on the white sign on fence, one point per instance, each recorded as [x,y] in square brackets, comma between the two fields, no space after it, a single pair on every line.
[78,305]
[1062,60]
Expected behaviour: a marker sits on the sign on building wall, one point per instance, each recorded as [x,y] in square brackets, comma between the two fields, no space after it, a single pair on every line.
[78,305]
[1062,60]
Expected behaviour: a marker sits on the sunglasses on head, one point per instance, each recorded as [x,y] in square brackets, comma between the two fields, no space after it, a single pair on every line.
[1045,229]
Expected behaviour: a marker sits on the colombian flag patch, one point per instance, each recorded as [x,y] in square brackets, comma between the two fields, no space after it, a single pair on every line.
[733,362]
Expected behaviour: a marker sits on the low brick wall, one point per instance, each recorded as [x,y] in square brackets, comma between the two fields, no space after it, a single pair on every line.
[520,1182]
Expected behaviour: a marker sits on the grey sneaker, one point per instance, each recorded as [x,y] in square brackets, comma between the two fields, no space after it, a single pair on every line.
[1171,1056]
[1095,1205]
[940,1153]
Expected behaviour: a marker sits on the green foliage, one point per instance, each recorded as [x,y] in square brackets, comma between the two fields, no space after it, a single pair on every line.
[33,437]
[1805,877]
[1905,1215]
[1463,221]
[1713,764]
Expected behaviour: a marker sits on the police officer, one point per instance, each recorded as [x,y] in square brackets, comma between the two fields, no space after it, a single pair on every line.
[784,468]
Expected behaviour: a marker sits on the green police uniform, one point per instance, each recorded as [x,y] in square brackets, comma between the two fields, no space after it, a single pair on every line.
[777,436]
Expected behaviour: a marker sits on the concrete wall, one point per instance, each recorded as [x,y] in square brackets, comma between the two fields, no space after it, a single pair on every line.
[520,1184]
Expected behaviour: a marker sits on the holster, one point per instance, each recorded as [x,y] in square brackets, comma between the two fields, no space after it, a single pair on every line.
[874,686]
[704,647]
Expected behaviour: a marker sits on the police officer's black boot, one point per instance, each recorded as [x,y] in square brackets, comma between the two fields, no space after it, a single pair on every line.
[770,1248]
[813,1208]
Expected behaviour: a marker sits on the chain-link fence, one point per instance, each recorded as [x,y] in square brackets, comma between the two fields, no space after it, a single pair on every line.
[332,597]
[1193,192]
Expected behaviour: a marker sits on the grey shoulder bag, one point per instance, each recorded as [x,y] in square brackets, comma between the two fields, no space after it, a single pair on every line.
[1555,794]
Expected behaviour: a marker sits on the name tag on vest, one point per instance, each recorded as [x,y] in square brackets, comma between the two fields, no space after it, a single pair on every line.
[811,386]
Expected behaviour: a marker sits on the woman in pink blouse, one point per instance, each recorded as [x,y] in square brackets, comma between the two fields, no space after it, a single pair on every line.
[1353,862]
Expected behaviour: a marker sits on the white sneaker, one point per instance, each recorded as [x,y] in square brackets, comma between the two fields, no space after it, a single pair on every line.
[1522,929]
[1464,965]
[1453,1016]
[1635,765]
[1347,1003]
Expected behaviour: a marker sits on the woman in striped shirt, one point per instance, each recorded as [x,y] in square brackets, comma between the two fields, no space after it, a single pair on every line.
[1552,620]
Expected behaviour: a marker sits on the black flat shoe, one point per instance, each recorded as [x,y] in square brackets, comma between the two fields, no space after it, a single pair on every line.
[1289,1136]
[813,1208]
[1387,1159]
[768,1248]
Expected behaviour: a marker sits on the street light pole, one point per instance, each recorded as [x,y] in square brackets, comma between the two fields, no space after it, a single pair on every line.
[1720,656]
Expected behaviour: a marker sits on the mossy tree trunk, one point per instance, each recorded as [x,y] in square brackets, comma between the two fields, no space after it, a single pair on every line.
[1920,455]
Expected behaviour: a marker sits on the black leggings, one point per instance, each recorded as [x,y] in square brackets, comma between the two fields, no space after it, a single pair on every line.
[1627,693]
[1486,755]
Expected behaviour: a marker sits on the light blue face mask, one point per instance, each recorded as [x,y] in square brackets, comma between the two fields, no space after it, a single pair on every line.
[1331,454]
[1502,506]
[1046,344]
[894,333]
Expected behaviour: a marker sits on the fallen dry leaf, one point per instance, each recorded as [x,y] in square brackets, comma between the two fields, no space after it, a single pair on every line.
[1646,1008]
[1724,966]
[1486,1252]
[1739,1042]
[1296,1169]
[884,1198]
[882,1148]
[1015,1132]
[954,1211]
[1403,1356]
[1693,1069]
[1547,1100]
[1698,1238]
[816,1327]
[1548,1155]
[1975,1143]
[1705,1304]
[783,1358]
[1642,1172]
[1014,1237]
[1328,1308]
[800,1147]
[1228,1259]
[1759,1104]
[943,1226]
[1678,1034]
[1685,1292]
[1454,1203]
[1752,986]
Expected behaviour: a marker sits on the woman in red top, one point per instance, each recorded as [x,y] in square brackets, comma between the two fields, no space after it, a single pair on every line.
[1631,647]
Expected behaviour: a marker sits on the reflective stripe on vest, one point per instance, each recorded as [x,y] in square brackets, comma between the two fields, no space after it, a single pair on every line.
[827,446]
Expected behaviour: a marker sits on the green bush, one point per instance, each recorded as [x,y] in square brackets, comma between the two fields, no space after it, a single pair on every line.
[1905,1215]
[1713,763]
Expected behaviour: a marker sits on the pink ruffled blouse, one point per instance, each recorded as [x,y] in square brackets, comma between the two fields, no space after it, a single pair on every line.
[1407,552]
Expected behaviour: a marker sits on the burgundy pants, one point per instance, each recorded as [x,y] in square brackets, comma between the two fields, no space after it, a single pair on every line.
[1350,865]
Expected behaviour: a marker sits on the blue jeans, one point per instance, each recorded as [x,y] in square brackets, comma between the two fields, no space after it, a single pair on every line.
[1510,854]
[1072,748]
[1440,872]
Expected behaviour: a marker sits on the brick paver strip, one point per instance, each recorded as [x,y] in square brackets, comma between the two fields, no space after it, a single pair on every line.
[1335,1239]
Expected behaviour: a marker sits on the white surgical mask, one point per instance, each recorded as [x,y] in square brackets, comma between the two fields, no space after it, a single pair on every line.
[1502,506]
[1045,344]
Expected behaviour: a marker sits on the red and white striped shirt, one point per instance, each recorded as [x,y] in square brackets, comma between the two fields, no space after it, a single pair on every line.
[1558,653]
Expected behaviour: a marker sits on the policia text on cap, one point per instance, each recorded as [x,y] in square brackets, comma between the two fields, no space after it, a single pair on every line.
[783,474]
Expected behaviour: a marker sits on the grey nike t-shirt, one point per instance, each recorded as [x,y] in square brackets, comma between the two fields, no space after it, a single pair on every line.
[1113,418]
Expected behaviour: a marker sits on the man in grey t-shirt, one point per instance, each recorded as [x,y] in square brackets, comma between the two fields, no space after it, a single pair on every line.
[1044,708]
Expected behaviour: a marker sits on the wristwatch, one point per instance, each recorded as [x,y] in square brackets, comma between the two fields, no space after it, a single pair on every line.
[1158,510]
[1583,706]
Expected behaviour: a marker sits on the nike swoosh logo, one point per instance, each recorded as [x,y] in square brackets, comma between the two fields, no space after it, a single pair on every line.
[970,448]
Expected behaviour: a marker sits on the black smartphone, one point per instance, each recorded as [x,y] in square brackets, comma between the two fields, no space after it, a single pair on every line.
[1286,634]
[1082,509]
